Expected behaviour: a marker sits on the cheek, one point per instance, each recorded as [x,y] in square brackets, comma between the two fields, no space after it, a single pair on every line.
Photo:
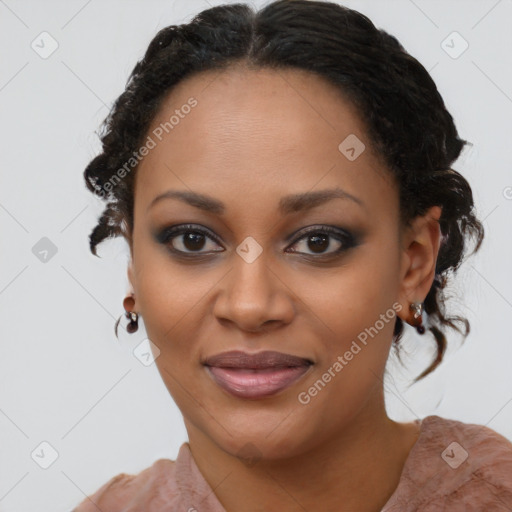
[172,305]
[354,316]
[353,297]
[173,313]
[168,293]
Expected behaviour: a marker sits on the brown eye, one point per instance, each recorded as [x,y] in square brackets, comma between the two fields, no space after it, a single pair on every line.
[188,239]
[323,241]
[318,243]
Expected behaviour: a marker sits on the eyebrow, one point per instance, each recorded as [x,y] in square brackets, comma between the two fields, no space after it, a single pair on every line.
[288,204]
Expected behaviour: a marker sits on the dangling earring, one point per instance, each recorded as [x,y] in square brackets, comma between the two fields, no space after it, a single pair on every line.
[133,317]
[417,308]
[133,325]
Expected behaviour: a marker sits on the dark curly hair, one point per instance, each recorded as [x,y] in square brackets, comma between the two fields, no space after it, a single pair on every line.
[406,119]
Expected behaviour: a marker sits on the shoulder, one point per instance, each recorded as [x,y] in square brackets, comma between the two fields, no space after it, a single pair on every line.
[461,466]
[154,485]
[482,448]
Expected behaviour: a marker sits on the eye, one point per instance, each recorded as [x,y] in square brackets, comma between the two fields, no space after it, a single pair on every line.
[324,240]
[188,239]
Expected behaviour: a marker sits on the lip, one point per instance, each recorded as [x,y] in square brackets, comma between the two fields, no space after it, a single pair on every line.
[257,375]
[259,360]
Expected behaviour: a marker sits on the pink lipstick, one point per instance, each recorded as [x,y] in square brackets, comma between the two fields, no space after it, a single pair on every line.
[255,375]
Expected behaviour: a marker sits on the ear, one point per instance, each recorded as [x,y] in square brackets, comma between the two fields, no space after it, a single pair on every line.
[420,247]
[131,274]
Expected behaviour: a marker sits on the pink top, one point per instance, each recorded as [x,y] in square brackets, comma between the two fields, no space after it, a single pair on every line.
[453,466]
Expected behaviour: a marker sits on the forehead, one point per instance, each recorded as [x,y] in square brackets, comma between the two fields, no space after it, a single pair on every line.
[259,133]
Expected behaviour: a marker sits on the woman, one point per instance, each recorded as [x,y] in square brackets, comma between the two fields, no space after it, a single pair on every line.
[283,181]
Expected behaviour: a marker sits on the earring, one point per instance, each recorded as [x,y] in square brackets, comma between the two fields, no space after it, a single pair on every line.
[417,308]
[132,316]
[134,321]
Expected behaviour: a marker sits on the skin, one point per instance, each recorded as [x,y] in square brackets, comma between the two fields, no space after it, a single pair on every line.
[254,137]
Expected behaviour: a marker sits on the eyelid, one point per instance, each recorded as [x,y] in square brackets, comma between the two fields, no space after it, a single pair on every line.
[167,234]
[323,228]
[341,235]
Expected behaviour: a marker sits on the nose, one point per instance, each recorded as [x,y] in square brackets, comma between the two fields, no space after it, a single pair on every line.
[254,297]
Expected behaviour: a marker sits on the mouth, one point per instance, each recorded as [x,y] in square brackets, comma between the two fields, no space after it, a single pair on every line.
[257,375]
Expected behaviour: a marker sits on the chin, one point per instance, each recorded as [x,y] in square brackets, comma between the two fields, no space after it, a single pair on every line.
[251,444]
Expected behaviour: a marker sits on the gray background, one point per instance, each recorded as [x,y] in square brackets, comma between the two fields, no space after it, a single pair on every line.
[65,379]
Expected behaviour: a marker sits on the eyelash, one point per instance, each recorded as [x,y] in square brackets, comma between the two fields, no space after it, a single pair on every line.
[168,234]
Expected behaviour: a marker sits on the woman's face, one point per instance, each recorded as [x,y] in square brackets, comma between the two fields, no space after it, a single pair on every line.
[254,145]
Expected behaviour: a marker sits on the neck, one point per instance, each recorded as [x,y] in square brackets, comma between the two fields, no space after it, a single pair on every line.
[358,469]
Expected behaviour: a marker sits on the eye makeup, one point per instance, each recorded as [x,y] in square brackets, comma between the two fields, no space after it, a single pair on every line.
[182,240]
